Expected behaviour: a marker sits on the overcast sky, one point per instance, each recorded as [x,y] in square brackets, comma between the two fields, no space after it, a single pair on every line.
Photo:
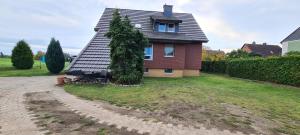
[228,24]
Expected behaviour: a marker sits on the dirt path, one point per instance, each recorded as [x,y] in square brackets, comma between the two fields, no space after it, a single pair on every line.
[16,119]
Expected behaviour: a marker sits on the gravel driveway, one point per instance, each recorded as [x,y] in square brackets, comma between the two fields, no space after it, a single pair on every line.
[15,119]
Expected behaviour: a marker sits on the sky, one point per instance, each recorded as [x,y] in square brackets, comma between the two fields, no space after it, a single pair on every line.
[228,24]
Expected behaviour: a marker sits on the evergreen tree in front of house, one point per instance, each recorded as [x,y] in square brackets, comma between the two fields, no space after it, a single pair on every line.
[55,60]
[126,51]
[22,57]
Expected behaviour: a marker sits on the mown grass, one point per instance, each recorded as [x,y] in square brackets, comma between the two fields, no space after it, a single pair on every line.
[7,70]
[275,102]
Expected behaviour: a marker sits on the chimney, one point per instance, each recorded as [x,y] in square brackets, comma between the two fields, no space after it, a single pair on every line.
[168,10]
[264,43]
[254,43]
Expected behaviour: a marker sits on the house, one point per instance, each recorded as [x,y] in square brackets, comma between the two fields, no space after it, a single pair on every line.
[175,43]
[291,42]
[263,50]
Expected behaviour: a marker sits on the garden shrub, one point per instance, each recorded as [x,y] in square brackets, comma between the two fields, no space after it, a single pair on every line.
[214,66]
[283,70]
[22,57]
[55,60]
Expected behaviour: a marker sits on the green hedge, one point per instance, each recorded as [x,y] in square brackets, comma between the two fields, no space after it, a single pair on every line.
[214,66]
[283,70]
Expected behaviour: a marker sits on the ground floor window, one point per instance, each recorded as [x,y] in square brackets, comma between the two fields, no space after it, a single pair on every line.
[148,51]
[168,71]
[169,50]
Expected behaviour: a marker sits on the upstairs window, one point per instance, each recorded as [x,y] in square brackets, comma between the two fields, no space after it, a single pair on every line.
[162,27]
[169,50]
[148,51]
[171,27]
[166,27]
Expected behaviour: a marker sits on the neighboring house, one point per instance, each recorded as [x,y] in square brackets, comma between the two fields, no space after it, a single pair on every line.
[292,42]
[263,50]
[175,43]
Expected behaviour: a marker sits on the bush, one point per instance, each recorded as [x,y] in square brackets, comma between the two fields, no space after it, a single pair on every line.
[284,70]
[293,53]
[55,60]
[126,51]
[214,66]
[22,57]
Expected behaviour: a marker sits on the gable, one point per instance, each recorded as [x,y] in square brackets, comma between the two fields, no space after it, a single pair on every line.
[293,36]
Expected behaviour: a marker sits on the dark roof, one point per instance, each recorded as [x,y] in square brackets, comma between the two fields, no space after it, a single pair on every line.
[264,50]
[95,56]
[293,36]
[164,18]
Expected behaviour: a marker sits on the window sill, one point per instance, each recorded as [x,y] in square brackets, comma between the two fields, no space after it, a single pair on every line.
[168,56]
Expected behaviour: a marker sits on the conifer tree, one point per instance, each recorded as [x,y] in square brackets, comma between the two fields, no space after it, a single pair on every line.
[55,60]
[126,51]
[22,57]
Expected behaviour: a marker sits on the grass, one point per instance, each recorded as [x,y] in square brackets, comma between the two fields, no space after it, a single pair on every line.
[275,102]
[7,70]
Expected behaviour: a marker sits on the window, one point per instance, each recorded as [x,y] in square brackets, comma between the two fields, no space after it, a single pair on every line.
[162,27]
[171,27]
[169,51]
[146,70]
[148,51]
[168,71]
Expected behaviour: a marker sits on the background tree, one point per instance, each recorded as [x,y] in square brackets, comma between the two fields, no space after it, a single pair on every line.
[38,55]
[22,57]
[212,55]
[1,54]
[240,54]
[55,60]
[126,51]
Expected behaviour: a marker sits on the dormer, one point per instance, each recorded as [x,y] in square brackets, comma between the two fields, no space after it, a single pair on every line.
[166,22]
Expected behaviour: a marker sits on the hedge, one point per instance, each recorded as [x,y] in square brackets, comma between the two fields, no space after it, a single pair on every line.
[282,70]
[214,66]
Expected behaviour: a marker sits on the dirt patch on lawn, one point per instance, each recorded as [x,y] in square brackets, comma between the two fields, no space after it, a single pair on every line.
[58,119]
[220,116]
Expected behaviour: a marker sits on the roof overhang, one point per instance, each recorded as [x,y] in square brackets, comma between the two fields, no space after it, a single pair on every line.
[167,19]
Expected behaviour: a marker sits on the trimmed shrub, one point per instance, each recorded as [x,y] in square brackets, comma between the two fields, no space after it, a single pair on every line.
[283,70]
[55,60]
[22,57]
[214,66]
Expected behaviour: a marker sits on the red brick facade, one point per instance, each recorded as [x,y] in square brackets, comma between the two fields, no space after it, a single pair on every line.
[187,56]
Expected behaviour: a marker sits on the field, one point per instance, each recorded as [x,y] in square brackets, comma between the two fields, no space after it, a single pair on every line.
[7,70]
[210,100]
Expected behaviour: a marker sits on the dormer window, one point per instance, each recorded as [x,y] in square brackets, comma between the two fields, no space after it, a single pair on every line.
[162,27]
[166,27]
[171,27]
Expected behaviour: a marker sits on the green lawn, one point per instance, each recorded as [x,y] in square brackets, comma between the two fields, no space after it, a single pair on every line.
[7,70]
[278,103]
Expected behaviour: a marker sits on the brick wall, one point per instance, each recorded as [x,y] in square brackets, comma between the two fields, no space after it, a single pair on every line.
[187,56]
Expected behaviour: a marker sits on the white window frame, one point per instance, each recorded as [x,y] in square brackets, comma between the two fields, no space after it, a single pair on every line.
[168,45]
[151,56]
[168,30]
[168,73]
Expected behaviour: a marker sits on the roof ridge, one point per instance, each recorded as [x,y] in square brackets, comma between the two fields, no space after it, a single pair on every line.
[145,10]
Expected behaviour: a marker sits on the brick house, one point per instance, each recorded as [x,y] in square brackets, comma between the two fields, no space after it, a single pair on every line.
[175,43]
[263,50]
